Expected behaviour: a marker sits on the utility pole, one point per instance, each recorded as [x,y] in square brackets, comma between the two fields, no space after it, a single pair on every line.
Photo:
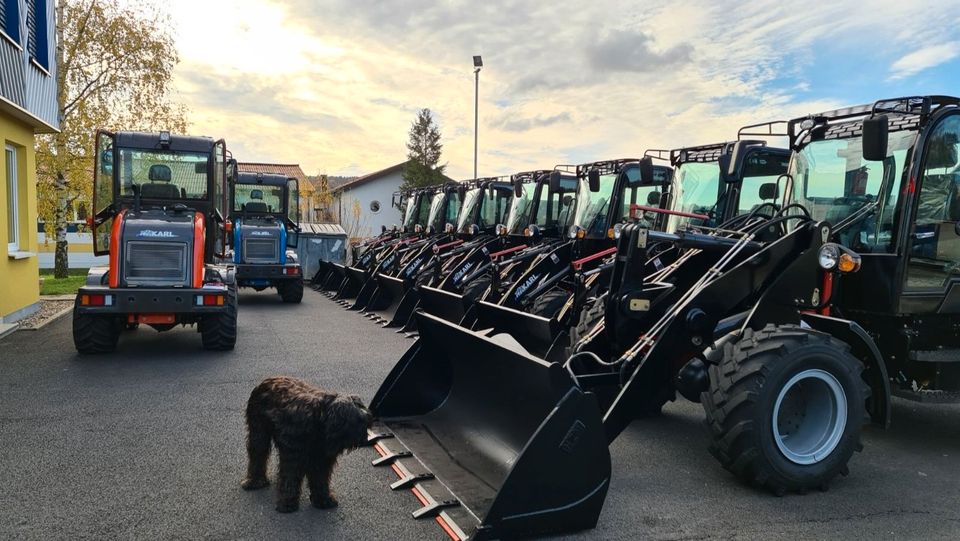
[477,64]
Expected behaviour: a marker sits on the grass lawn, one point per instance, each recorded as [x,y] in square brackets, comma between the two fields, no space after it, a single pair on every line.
[62,286]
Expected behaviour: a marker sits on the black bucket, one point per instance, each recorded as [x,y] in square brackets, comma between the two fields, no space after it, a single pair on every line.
[409,299]
[353,280]
[535,333]
[494,442]
[384,302]
[442,303]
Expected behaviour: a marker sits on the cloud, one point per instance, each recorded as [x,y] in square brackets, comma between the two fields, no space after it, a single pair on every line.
[925,58]
[334,84]
[514,124]
[621,50]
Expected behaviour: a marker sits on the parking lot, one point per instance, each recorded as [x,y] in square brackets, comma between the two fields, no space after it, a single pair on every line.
[148,442]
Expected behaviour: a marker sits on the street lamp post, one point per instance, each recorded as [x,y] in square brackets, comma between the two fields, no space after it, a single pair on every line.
[477,64]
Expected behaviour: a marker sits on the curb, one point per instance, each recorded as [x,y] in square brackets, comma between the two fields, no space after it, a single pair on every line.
[49,320]
[7,330]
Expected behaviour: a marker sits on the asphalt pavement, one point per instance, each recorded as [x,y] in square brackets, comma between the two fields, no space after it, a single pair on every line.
[148,443]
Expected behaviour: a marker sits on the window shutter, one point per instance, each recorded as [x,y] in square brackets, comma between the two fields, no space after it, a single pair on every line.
[32,27]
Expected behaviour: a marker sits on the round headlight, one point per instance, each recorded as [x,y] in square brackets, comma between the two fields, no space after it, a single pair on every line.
[617,229]
[474,229]
[501,229]
[533,229]
[829,256]
[572,232]
[418,228]
[448,228]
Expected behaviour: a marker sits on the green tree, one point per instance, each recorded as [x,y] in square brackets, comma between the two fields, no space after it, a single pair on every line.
[114,67]
[423,153]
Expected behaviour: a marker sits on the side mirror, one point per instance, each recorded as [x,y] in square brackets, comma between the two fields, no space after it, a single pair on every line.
[646,170]
[232,169]
[518,188]
[875,138]
[736,160]
[555,181]
[293,238]
[593,180]
[653,199]
[769,191]
[383,229]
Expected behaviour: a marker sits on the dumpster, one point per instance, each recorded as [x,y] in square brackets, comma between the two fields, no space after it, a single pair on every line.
[320,242]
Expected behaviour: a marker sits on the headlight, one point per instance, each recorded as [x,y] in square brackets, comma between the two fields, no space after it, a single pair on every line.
[575,232]
[448,228]
[474,229]
[531,231]
[829,256]
[418,228]
[501,229]
[617,229]
[849,262]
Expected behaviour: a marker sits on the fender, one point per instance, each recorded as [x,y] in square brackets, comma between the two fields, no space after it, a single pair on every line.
[865,349]
[237,241]
[198,243]
[115,233]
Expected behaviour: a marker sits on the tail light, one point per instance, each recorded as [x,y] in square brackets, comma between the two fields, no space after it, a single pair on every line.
[210,300]
[96,300]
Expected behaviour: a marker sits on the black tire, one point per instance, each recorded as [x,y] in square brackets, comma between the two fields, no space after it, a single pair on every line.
[93,333]
[591,314]
[758,375]
[219,331]
[290,291]
[549,304]
[476,288]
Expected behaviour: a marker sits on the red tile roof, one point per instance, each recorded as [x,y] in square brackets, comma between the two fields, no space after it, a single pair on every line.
[290,170]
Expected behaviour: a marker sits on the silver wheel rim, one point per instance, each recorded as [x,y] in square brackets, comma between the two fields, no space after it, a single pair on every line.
[809,417]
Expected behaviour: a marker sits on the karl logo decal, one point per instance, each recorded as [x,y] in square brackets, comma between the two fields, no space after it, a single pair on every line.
[260,233]
[462,272]
[156,234]
[527,284]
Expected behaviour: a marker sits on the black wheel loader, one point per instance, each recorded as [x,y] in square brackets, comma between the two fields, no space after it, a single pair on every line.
[263,230]
[539,214]
[160,217]
[792,326]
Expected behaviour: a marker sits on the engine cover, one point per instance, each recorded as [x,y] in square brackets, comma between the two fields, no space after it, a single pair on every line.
[259,240]
[157,248]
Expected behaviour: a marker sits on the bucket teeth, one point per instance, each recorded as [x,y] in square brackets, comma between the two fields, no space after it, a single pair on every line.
[433,509]
[410,480]
[386,460]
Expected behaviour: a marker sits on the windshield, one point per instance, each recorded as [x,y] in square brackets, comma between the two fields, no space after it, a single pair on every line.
[257,198]
[163,174]
[593,207]
[409,210]
[470,202]
[696,189]
[555,209]
[832,181]
[436,205]
[520,208]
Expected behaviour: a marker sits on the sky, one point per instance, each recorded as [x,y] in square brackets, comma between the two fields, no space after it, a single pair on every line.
[334,84]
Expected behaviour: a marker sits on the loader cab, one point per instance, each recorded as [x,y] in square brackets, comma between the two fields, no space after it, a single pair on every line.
[158,176]
[608,193]
[264,217]
[486,203]
[417,211]
[444,210]
[724,180]
[539,210]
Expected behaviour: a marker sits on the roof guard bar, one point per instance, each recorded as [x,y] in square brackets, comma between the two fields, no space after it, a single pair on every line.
[764,129]
[662,154]
[604,166]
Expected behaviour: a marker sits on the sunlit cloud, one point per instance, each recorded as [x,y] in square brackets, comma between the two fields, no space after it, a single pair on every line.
[334,84]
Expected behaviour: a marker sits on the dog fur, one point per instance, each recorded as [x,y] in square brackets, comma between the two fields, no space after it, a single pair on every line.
[310,429]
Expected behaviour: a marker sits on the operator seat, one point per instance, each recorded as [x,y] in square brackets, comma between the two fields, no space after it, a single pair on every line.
[256,207]
[159,186]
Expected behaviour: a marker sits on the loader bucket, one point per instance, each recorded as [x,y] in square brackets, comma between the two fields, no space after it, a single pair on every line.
[384,302]
[492,441]
[366,290]
[409,299]
[344,287]
[445,304]
[354,279]
[535,333]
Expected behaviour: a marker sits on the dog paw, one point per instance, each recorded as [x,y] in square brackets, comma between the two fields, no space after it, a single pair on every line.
[287,507]
[254,484]
[324,503]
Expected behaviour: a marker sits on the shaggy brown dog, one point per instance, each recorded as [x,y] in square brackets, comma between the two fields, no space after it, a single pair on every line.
[310,429]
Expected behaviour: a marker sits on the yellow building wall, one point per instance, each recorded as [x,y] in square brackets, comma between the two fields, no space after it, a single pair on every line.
[19,278]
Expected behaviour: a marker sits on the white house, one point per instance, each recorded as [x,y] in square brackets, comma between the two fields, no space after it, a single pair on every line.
[364,203]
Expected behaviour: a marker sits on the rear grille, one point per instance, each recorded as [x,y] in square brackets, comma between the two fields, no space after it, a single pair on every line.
[260,251]
[155,262]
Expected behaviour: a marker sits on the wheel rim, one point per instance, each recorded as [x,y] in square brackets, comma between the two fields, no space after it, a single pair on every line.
[809,417]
